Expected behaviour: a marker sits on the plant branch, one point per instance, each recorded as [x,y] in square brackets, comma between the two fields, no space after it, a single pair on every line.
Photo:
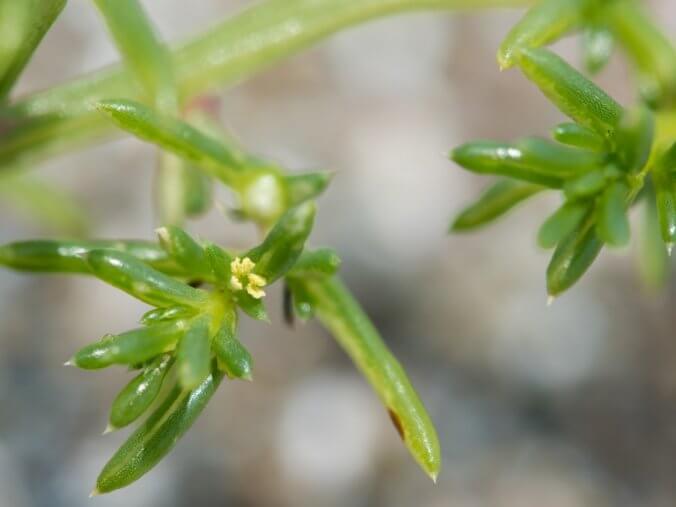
[62,118]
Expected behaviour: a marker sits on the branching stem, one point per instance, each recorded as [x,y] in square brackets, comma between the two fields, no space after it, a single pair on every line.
[62,118]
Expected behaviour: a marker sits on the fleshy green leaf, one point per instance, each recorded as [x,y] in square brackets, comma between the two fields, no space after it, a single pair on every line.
[284,244]
[532,159]
[184,250]
[586,185]
[70,256]
[319,262]
[612,223]
[562,223]
[233,358]
[574,94]
[139,394]
[167,313]
[157,436]
[301,300]
[219,263]
[127,273]
[132,347]
[175,136]
[497,200]
[576,135]
[351,327]
[254,308]
[572,257]
[193,355]
[635,136]
[545,22]
[306,186]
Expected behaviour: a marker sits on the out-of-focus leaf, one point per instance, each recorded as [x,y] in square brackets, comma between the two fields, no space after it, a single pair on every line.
[635,136]
[653,259]
[597,44]
[560,224]
[586,185]
[47,205]
[175,136]
[497,200]
[664,183]
[149,60]
[652,53]
[183,191]
[545,22]
[23,24]
[320,262]
[306,186]
[612,223]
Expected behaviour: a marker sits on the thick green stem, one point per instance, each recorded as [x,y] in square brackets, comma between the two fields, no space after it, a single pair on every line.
[61,118]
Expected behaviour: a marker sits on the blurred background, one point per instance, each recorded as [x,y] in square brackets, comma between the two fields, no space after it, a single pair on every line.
[567,406]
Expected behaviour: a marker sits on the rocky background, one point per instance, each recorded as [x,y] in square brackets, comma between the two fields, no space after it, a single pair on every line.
[568,406]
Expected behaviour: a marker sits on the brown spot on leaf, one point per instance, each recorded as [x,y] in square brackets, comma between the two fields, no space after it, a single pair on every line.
[397,423]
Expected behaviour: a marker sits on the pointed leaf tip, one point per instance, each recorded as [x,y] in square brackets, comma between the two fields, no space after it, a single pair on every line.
[109,429]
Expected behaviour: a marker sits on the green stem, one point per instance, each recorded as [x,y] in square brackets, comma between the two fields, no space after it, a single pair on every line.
[59,119]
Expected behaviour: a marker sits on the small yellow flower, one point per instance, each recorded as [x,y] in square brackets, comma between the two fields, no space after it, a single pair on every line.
[242,267]
[242,273]
[235,284]
[255,285]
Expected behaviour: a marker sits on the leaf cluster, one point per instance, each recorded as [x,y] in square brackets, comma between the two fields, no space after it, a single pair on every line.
[603,162]
[189,340]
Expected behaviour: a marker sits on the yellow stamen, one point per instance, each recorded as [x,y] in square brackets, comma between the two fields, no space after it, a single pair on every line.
[255,285]
[235,284]
[241,267]
[241,270]
[255,292]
